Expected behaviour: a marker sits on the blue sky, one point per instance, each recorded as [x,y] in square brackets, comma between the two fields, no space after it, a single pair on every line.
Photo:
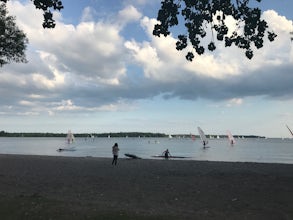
[101,70]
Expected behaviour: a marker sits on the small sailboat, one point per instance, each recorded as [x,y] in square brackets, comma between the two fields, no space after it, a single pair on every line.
[69,140]
[289,130]
[231,138]
[202,137]
[70,137]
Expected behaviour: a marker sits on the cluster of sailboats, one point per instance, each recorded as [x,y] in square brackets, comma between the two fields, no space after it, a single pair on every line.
[205,141]
[70,139]
[231,139]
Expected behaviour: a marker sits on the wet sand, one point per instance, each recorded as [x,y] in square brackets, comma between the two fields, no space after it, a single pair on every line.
[42,187]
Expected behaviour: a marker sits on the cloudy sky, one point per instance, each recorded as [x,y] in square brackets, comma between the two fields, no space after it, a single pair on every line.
[101,70]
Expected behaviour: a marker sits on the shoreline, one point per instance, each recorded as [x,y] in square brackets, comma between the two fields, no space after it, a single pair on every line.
[57,187]
[152,158]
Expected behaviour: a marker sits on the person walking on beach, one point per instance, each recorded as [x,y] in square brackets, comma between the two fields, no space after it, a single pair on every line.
[115,151]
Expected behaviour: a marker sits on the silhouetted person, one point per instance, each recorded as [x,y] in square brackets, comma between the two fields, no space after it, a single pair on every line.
[166,154]
[115,151]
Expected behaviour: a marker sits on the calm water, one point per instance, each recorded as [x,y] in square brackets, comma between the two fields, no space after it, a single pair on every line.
[245,150]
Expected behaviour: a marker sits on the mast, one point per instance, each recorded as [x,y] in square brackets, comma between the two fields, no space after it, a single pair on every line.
[289,130]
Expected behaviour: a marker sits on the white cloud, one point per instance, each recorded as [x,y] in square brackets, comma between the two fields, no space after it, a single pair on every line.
[234,102]
[28,113]
[88,14]
[36,96]
[91,48]
[67,105]
[88,64]
[146,55]
[127,15]
[26,103]
[224,63]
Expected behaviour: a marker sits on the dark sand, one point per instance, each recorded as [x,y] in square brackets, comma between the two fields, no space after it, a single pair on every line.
[39,187]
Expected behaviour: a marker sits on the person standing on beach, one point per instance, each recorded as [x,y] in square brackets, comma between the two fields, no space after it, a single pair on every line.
[115,151]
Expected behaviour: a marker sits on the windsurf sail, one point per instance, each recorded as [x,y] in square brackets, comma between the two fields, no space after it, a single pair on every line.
[202,137]
[230,138]
[289,130]
[70,137]
[69,141]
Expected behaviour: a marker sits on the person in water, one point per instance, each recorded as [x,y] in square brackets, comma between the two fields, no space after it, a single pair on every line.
[115,151]
[166,154]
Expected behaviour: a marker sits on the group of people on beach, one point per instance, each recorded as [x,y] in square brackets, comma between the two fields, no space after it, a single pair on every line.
[115,152]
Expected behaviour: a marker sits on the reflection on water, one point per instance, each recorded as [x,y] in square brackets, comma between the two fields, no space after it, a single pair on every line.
[246,150]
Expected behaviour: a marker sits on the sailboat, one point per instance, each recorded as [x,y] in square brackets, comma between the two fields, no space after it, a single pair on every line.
[231,138]
[202,137]
[289,130]
[69,140]
[70,137]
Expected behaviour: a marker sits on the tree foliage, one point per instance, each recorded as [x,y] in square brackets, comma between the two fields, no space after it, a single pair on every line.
[12,40]
[47,6]
[201,16]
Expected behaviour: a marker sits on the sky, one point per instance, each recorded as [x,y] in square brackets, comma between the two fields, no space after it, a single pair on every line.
[101,70]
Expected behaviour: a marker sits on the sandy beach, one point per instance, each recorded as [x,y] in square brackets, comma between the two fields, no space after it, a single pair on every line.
[42,187]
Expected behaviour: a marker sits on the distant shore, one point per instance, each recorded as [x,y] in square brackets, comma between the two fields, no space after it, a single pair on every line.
[47,187]
[115,135]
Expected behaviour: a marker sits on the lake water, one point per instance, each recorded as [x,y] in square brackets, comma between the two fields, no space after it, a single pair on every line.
[245,150]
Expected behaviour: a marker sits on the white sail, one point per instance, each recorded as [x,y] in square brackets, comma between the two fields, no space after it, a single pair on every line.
[70,137]
[69,141]
[231,138]
[202,137]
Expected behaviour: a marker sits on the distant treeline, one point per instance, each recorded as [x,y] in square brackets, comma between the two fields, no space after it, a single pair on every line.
[117,134]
